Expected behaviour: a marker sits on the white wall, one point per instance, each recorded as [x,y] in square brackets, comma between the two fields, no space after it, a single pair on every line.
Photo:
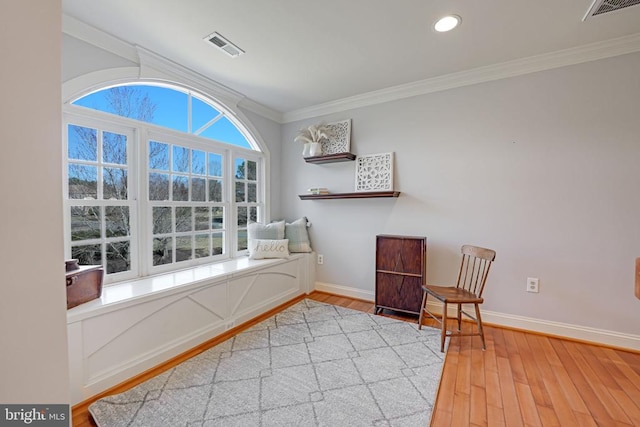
[33,359]
[543,168]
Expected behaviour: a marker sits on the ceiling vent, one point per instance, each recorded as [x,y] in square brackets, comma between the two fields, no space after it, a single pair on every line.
[223,44]
[604,6]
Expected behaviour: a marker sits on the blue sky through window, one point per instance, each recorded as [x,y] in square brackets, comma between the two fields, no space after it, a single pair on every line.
[171,111]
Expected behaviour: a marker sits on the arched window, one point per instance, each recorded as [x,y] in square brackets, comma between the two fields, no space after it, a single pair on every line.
[157,178]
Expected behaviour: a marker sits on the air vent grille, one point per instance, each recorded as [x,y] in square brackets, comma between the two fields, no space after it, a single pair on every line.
[223,44]
[604,6]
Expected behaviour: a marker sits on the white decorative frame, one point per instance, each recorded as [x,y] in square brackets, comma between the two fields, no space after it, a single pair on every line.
[340,141]
[374,172]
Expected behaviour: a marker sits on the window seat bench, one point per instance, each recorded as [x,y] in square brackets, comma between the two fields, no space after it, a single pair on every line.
[139,324]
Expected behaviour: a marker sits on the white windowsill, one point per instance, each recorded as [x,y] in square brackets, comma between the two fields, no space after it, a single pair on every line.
[121,295]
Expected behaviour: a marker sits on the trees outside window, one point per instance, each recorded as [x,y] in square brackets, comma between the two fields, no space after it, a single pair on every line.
[157,179]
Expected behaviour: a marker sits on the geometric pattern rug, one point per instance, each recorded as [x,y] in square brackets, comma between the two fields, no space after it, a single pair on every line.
[312,364]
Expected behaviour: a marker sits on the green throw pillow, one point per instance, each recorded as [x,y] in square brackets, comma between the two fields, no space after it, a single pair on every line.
[298,235]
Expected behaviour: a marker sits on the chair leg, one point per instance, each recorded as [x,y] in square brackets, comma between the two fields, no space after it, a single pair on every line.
[480,330]
[422,306]
[459,317]
[444,327]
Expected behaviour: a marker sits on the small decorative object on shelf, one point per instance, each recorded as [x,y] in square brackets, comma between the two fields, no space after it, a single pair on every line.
[339,140]
[318,190]
[313,135]
[374,172]
[71,264]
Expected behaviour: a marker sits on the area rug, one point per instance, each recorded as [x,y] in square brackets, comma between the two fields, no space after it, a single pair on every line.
[313,364]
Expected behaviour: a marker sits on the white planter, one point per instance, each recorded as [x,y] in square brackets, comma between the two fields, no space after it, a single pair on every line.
[306,150]
[316,149]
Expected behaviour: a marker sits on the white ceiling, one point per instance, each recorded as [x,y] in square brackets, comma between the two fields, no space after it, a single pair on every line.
[304,53]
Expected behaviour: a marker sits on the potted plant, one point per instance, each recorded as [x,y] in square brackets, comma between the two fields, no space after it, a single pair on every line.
[311,136]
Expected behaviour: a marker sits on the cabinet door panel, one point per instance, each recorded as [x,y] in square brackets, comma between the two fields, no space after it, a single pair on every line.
[401,255]
[399,292]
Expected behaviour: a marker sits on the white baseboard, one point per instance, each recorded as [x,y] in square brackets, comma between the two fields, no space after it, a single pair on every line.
[547,327]
[345,291]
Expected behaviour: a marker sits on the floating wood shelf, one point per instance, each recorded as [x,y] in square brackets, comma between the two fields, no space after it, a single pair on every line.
[331,158]
[360,195]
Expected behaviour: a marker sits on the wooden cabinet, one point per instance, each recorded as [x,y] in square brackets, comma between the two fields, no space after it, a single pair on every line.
[401,267]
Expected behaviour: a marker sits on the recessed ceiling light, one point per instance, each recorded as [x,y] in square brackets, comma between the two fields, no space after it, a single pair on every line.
[447,23]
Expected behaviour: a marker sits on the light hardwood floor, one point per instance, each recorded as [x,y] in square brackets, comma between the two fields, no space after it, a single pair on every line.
[522,379]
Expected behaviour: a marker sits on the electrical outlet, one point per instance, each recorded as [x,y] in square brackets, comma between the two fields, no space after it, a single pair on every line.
[320,259]
[532,284]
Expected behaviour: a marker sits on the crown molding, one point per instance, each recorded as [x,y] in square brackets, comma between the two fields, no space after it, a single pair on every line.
[562,58]
[261,110]
[158,67]
[105,41]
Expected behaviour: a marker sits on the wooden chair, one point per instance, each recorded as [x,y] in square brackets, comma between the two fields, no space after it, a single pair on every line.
[472,277]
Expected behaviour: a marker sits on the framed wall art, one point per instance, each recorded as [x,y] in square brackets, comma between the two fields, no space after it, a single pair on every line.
[374,172]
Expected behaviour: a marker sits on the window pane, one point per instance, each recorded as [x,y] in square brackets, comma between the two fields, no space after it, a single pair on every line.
[217,218]
[117,221]
[202,245]
[253,214]
[152,104]
[169,106]
[114,148]
[242,240]
[82,143]
[158,186]
[215,190]
[202,113]
[239,191]
[242,216]
[217,243]
[225,131]
[118,257]
[198,189]
[240,172]
[251,170]
[158,156]
[87,254]
[162,251]
[161,220]
[180,159]
[252,195]
[183,248]
[83,182]
[180,188]
[202,218]
[198,166]
[114,183]
[183,219]
[215,164]
[85,222]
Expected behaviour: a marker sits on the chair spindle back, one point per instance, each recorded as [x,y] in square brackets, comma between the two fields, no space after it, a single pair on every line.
[474,269]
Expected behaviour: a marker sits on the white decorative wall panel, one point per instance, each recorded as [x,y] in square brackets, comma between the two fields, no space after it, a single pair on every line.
[115,344]
[340,140]
[174,321]
[247,294]
[374,172]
